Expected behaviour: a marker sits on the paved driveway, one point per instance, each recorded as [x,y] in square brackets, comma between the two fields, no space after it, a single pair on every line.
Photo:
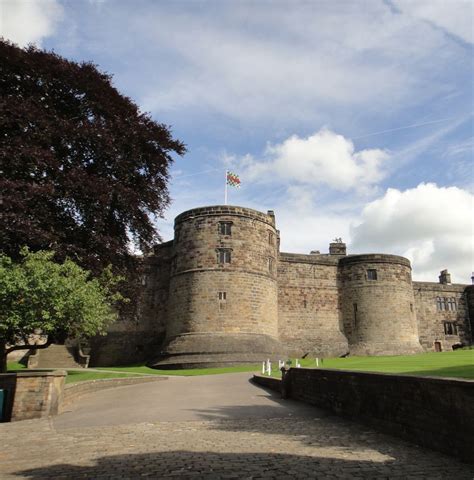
[216,427]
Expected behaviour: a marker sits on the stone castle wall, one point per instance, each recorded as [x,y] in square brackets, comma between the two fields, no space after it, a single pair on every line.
[231,299]
[432,319]
[137,336]
[308,305]
[378,313]
[198,308]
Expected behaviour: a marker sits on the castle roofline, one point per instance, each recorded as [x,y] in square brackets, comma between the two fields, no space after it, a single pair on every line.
[374,258]
[218,210]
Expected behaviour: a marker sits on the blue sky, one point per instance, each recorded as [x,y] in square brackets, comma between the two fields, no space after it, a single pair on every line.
[349,119]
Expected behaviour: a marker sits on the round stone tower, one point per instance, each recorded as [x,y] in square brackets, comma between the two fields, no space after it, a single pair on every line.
[223,289]
[378,305]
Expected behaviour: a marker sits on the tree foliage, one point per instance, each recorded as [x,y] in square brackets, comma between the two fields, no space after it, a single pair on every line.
[81,169]
[58,300]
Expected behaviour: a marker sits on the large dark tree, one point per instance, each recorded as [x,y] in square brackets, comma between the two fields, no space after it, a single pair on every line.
[82,170]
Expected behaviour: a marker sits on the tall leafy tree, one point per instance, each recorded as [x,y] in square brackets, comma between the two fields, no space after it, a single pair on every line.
[57,300]
[82,170]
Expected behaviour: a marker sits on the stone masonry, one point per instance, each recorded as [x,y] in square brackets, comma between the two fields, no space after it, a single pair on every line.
[222,293]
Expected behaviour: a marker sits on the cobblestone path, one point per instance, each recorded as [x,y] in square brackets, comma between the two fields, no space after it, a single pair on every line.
[306,444]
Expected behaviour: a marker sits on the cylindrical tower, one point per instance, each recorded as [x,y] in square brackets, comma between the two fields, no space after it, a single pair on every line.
[223,289]
[378,305]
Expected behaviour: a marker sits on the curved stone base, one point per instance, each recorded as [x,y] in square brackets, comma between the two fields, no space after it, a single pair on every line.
[198,350]
[385,348]
[323,347]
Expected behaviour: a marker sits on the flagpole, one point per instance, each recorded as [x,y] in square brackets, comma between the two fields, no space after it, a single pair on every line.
[225,194]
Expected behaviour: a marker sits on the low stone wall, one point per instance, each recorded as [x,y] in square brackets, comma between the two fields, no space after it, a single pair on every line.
[434,412]
[271,383]
[32,394]
[74,391]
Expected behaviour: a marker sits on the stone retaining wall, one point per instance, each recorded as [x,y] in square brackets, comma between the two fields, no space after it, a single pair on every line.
[433,412]
[74,391]
[32,394]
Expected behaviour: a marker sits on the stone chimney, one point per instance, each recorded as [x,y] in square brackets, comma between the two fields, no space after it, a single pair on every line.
[337,248]
[444,277]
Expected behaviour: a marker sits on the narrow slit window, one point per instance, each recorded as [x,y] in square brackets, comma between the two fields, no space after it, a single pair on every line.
[225,228]
[271,238]
[271,265]
[371,274]
[223,256]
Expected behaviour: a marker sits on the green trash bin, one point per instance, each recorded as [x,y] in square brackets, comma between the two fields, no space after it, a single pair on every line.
[3,395]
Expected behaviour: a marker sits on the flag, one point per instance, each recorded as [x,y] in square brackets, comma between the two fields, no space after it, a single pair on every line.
[233,180]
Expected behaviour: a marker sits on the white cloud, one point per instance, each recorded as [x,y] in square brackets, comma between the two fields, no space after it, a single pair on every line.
[324,158]
[431,225]
[296,63]
[455,16]
[29,21]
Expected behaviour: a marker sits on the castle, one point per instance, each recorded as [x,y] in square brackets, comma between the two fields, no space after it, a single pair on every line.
[222,293]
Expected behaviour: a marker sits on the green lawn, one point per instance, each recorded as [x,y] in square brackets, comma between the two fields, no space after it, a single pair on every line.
[12,366]
[131,370]
[184,372]
[74,376]
[459,363]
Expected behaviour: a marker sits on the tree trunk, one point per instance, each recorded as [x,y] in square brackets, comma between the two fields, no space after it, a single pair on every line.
[3,356]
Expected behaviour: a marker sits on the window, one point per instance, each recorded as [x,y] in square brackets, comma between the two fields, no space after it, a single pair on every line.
[270,265]
[371,274]
[411,307]
[222,296]
[439,303]
[446,303]
[225,228]
[354,306]
[223,255]
[271,238]
[450,328]
[451,304]
[305,303]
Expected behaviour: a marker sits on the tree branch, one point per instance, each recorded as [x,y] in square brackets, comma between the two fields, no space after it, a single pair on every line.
[29,347]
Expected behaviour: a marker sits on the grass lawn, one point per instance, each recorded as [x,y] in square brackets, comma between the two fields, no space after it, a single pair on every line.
[140,368]
[459,364]
[12,366]
[74,376]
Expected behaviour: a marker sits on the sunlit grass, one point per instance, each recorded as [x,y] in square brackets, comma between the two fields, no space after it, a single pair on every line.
[457,364]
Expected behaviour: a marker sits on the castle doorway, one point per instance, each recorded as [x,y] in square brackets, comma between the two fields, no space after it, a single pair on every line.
[437,346]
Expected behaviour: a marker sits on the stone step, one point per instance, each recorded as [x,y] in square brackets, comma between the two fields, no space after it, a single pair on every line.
[57,356]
